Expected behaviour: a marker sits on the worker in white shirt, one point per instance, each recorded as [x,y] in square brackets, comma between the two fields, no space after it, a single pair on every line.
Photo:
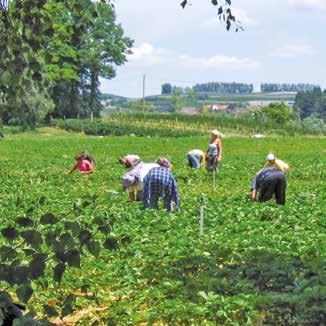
[196,158]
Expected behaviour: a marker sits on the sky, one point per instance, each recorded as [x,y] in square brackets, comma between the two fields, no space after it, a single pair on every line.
[283,41]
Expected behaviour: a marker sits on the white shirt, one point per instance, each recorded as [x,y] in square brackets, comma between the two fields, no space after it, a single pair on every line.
[196,153]
[146,167]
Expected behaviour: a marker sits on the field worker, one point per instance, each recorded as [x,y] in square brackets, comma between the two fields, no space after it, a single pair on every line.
[196,158]
[160,183]
[269,182]
[214,152]
[274,162]
[128,160]
[84,163]
[133,180]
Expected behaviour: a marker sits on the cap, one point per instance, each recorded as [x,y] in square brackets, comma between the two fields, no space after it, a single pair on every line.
[270,157]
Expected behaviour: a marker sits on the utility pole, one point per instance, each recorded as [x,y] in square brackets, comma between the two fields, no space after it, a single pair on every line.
[144,84]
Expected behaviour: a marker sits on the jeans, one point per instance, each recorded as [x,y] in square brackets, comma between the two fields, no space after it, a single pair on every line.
[193,161]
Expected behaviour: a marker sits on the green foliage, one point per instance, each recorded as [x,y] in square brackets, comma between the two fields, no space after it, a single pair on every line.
[255,263]
[119,127]
[278,112]
[23,86]
[54,54]
[139,106]
[177,100]
[293,88]
[311,103]
[166,89]
[314,123]
[224,88]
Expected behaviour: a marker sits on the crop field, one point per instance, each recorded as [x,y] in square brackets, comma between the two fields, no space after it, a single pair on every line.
[78,253]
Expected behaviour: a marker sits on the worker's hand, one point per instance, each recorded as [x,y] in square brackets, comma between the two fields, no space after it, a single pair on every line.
[219,159]
[254,195]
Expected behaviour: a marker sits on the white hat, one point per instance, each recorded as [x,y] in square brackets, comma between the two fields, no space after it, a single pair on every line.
[216,132]
[270,157]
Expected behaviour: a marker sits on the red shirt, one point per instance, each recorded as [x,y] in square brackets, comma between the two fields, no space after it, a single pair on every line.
[84,166]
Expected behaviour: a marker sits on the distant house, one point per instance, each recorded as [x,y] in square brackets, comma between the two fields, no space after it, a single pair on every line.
[222,107]
[189,111]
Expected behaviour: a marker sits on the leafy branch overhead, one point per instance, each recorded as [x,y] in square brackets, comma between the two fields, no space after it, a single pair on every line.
[224,13]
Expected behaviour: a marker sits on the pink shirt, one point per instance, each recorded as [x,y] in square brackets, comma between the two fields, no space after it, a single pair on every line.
[84,166]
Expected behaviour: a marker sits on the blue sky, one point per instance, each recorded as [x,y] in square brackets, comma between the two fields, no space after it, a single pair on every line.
[283,41]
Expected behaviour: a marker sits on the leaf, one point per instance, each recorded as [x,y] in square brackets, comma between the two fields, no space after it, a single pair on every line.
[73,258]
[104,229]
[7,253]
[111,243]
[50,239]
[84,237]
[73,227]
[37,266]
[68,305]
[215,2]
[58,272]
[41,201]
[184,3]
[50,311]
[24,292]
[220,10]
[59,251]
[29,252]
[228,24]
[85,204]
[33,238]
[30,210]
[48,218]
[10,233]
[67,310]
[24,221]
[5,273]
[94,248]
[20,274]
[66,240]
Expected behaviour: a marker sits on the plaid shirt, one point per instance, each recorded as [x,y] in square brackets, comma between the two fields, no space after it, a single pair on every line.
[160,182]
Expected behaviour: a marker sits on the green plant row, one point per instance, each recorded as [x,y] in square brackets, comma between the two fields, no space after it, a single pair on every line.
[244,124]
[120,127]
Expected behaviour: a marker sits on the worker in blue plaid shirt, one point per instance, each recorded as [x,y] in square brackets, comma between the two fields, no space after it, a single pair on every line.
[160,183]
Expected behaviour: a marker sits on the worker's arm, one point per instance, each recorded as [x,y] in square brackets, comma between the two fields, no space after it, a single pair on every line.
[72,169]
[282,166]
[254,189]
[203,160]
[219,158]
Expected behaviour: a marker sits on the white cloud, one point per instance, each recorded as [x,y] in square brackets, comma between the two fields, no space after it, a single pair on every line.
[294,50]
[308,4]
[147,55]
[219,62]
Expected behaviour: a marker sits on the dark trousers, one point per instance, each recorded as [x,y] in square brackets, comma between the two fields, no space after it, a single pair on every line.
[274,184]
[211,163]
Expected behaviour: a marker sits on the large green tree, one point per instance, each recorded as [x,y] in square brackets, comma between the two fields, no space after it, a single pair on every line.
[23,86]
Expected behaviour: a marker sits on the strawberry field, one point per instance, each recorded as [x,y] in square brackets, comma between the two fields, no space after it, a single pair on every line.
[76,252]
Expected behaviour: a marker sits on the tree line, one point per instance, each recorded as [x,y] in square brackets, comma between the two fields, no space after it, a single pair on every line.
[53,53]
[211,87]
[311,103]
[273,88]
